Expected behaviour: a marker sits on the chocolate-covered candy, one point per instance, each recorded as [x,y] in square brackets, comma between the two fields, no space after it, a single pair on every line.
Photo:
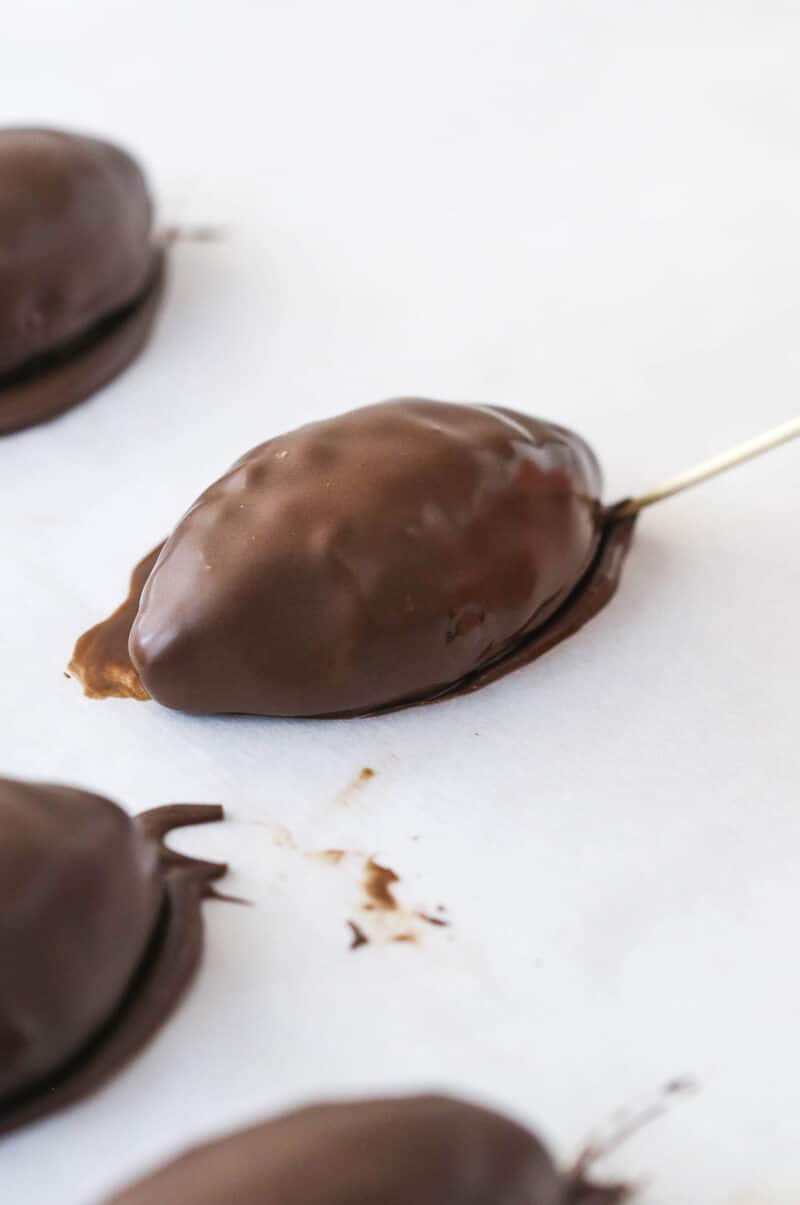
[414,1151]
[80,887]
[100,933]
[387,556]
[75,223]
[80,271]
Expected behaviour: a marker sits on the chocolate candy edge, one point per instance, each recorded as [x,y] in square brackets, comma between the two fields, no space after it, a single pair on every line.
[64,381]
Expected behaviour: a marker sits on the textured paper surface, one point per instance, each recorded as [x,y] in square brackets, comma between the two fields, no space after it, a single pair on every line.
[589,212]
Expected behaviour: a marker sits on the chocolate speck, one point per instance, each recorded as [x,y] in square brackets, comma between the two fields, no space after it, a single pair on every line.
[359,782]
[681,1085]
[333,856]
[434,920]
[359,936]
[378,881]
[383,918]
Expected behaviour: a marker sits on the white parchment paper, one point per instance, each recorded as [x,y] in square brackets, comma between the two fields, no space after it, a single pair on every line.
[589,211]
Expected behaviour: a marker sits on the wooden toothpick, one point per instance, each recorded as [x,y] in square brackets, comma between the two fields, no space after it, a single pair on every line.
[710,468]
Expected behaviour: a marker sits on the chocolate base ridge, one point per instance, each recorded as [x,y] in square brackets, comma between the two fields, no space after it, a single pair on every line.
[595,589]
[158,984]
[56,382]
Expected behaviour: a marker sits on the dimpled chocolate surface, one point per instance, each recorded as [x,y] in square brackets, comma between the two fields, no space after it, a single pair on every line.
[80,898]
[366,561]
[75,240]
[415,1151]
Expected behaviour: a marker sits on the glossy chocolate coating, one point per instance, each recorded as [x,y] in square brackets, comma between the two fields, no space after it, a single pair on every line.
[371,560]
[76,255]
[89,913]
[414,1151]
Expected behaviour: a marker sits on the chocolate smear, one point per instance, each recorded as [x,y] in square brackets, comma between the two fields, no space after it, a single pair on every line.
[383,919]
[364,776]
[378,881]
[100,660]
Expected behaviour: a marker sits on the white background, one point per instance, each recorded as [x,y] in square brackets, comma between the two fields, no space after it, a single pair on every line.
[588,210]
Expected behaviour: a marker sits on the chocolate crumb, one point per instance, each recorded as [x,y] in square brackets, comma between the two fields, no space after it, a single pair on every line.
[356,785]
[434,920]
[359,936]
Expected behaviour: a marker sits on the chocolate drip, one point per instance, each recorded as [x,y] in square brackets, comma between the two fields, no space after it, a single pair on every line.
[101,661]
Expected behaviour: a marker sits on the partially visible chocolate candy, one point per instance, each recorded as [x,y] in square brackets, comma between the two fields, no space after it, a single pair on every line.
[426,1150]
[80,270]
[390,556]
[100,932]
